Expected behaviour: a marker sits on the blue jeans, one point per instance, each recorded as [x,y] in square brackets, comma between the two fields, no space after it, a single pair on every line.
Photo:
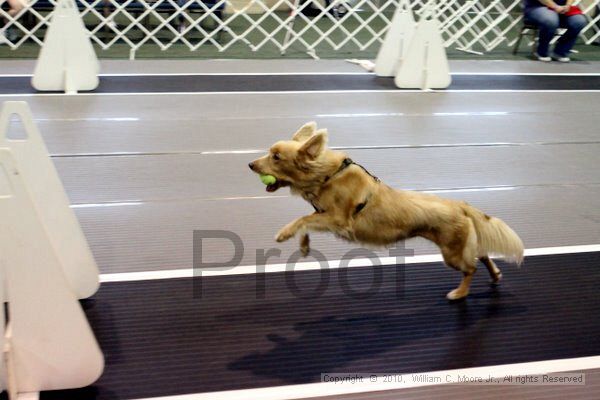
[548,22]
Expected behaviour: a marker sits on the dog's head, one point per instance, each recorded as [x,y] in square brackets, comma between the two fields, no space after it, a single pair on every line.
[296,162]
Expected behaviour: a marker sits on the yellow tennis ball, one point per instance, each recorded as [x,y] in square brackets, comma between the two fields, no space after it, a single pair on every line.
[268,179]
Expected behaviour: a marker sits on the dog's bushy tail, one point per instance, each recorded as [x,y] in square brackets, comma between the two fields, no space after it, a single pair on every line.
[495,237]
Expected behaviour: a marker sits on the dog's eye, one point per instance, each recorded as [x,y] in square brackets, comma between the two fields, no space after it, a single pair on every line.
[276,157]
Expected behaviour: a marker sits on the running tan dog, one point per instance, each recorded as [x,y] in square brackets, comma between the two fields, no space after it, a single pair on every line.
[356,206]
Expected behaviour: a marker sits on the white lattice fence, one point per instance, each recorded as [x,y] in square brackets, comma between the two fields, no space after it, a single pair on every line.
[338,25]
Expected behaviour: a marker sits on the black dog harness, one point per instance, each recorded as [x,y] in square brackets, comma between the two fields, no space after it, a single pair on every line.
[345,164]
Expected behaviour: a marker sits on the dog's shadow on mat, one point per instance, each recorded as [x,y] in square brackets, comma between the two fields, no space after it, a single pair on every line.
[327,344]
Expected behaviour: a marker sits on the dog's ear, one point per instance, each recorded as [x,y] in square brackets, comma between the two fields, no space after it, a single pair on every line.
[305,132]
[314,146]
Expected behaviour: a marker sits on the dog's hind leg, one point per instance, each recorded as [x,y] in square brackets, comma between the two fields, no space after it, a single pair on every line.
[467,267]
[492,268]
[463,289]
[460,254]
[304,244]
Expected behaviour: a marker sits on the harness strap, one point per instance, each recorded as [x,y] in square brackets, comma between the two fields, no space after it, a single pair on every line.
[345,164]
[316,209]
[360,207]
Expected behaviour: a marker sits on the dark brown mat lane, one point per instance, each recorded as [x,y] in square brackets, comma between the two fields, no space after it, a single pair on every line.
[285,83]
[160,340]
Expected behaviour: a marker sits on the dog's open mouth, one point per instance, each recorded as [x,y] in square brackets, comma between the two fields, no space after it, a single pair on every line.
[274,186]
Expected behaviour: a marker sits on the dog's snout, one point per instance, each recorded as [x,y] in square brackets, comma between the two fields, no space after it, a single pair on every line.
[251,165]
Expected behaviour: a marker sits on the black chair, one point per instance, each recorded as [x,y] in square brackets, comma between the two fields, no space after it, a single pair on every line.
[527,28]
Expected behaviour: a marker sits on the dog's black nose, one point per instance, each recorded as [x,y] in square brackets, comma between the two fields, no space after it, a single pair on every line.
[251,165]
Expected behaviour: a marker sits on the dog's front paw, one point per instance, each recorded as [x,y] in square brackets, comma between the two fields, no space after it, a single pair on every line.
[286,233]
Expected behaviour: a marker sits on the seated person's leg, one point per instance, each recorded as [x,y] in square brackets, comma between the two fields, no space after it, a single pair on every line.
[547,21]
[574,25]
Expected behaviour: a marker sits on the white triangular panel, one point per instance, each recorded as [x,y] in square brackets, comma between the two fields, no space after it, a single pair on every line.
[3,370]
[50,200]
[51,344]
[397,39]
[426,64]
[67,60]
